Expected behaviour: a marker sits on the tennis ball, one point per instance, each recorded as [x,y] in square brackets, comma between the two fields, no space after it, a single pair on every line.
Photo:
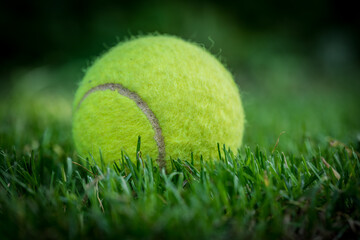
[174,94]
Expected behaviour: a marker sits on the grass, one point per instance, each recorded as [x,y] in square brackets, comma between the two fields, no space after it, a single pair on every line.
[303,184]
[250,194]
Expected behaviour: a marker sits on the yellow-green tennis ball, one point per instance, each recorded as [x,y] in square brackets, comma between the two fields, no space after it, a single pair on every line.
[174,94]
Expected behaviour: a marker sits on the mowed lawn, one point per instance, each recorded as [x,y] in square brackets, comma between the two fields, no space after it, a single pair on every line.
[297,175]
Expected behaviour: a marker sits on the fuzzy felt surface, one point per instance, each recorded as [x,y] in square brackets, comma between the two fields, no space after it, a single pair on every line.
[111,122]
[192,95]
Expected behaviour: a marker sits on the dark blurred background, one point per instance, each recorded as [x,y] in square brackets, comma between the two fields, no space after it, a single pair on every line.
[35,33]
[296,62]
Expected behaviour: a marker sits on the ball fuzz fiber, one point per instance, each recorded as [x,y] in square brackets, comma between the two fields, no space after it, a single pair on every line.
[174,94]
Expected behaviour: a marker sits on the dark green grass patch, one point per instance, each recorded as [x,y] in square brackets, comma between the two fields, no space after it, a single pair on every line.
[302,184]
[250,194]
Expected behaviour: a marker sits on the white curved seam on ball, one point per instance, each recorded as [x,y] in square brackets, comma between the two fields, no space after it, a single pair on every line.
[159,138]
